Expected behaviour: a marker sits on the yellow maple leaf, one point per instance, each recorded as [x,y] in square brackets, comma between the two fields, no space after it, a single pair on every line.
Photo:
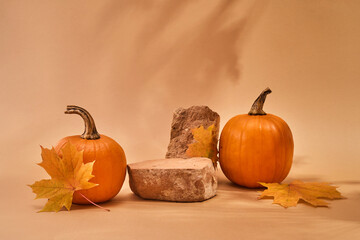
[288,195]
[68,174]
[205,144]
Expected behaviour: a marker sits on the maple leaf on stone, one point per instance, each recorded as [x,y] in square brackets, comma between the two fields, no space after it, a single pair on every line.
[205,144]
[68,174]
[288,195]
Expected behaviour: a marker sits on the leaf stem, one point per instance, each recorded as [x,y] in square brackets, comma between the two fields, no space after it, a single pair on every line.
[93,202]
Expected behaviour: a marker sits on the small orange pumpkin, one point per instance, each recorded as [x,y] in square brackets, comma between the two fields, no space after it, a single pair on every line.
[110,162]
[256,147]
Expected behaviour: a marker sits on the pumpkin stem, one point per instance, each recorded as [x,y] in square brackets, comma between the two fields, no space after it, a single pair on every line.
[257,107]
[90,129]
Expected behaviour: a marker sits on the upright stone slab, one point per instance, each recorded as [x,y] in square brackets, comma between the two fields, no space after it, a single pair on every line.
[184,120]
[180,180]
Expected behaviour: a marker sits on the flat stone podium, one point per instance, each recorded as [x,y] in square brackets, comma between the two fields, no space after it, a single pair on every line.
[174,179]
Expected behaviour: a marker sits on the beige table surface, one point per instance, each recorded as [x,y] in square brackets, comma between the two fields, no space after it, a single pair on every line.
[130,63]
[234,213]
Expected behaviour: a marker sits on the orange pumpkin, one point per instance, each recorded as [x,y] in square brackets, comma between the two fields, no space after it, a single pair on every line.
[110,163]
[256,147]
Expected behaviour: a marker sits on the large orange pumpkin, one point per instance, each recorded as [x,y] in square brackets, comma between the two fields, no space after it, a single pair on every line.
[256,147]
[110,163]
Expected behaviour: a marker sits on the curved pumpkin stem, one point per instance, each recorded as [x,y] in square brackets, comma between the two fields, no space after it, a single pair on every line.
[257,107]
[90,129]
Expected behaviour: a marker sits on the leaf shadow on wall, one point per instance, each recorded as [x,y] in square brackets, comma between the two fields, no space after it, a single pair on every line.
[179,46]
[205,50]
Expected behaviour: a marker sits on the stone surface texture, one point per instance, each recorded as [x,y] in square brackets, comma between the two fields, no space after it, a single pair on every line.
[184,120]
[179,180]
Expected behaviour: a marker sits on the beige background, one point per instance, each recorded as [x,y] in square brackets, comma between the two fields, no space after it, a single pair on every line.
[131,63]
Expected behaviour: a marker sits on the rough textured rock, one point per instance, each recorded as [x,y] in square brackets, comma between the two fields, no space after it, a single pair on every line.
[184,120]
[179,180]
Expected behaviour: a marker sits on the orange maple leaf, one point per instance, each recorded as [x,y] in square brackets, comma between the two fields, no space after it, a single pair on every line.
[205,144]
[288,195]
[68,174]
